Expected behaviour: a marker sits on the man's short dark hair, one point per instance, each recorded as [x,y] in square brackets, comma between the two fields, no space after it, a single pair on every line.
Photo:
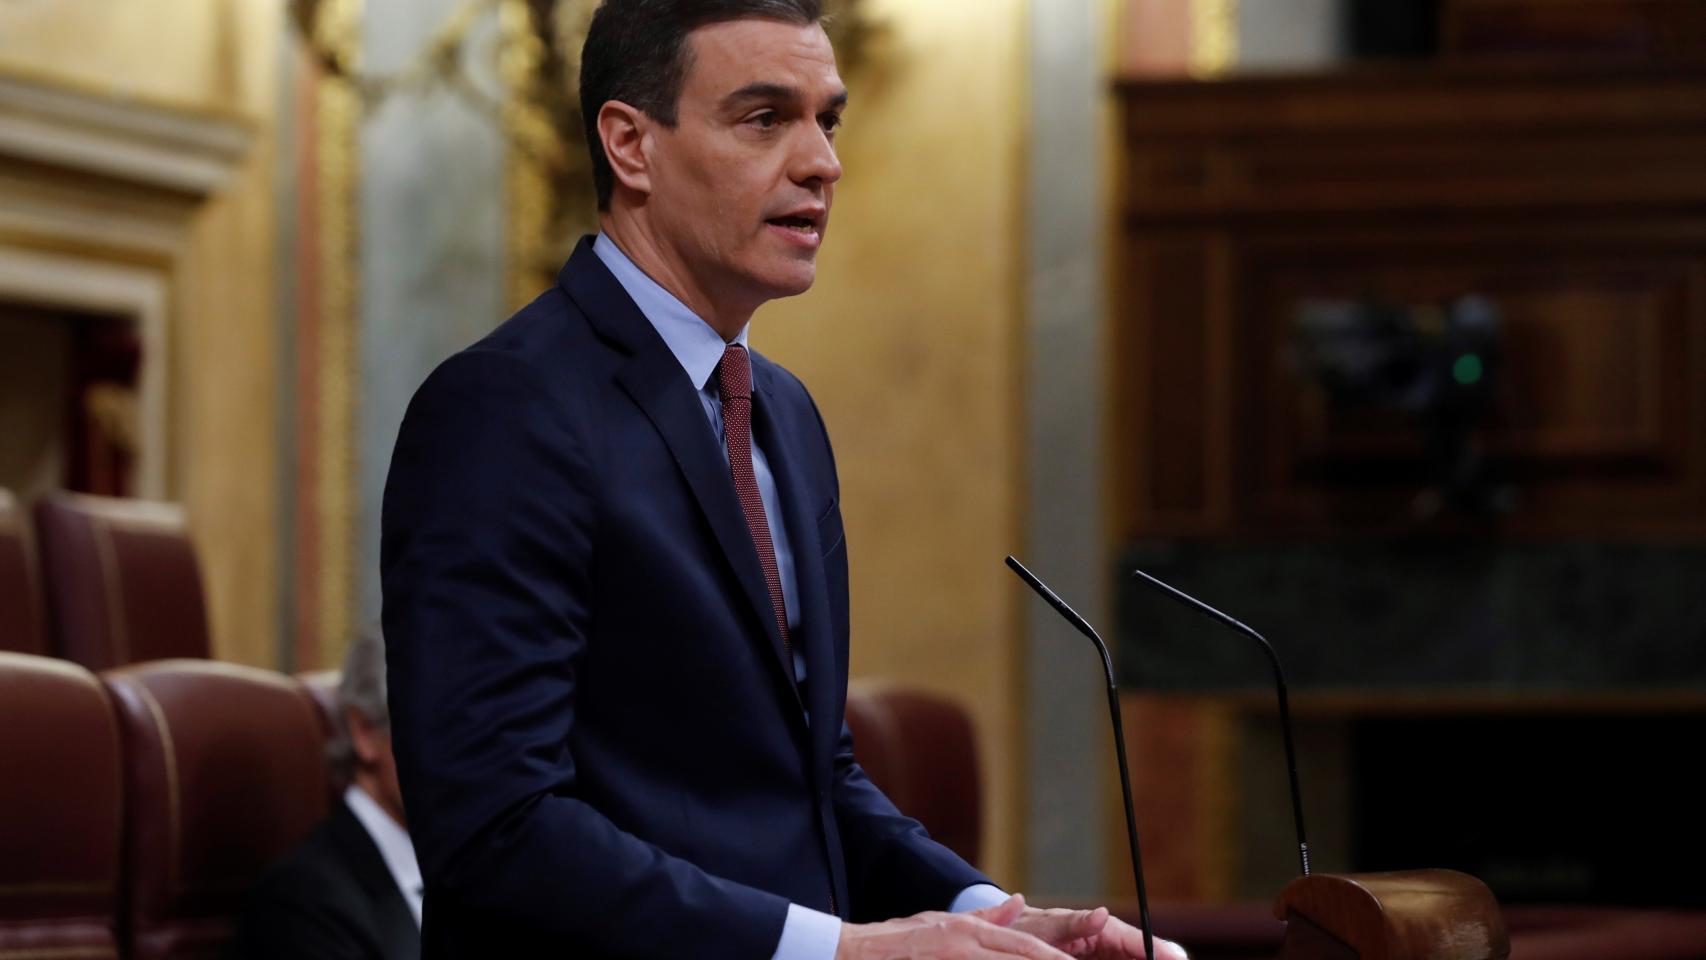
[636,52]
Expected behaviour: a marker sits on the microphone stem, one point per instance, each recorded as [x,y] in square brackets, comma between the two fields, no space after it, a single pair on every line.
[1130,817]
[1291,769]
[1279,685]
[1083,626]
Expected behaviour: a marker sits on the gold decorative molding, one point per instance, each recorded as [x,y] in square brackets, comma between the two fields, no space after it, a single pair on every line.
[1214,37]
[548,189]
[97,192]
[139,143]
[338,110]
[142,102]
[43,260]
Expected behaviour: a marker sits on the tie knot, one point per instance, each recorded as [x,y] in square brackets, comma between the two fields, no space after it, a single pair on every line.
[734,373]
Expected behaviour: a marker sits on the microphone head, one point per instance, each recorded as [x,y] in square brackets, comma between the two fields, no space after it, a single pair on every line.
[1065,610]
[1024,573]
[1061,606]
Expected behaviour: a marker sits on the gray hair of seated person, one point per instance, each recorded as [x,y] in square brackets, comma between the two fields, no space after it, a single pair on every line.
[362,689]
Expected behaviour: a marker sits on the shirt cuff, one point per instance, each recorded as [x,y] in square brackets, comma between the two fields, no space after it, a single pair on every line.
[808,934]
[977,897]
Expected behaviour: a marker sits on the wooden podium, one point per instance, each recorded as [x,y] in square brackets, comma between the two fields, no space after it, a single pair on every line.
[1407,915]
[1404,915]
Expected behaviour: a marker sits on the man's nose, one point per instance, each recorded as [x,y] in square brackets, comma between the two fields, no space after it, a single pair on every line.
[815,160]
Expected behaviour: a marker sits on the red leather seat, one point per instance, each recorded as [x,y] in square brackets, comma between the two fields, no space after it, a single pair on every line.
[20,584]
[122,581]
[920,749]
[224,773]
[60,803]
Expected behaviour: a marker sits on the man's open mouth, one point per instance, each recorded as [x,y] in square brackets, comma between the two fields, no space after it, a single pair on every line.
[802,224]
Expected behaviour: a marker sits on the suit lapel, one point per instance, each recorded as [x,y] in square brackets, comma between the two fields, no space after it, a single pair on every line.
[654,380]
[813,636]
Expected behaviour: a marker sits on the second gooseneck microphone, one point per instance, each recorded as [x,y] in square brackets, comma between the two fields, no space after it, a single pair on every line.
[1279,685]
[1083,626]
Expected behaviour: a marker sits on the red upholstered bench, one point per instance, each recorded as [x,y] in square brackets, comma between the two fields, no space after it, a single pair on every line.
[122,581]
[224,773]
[59,811]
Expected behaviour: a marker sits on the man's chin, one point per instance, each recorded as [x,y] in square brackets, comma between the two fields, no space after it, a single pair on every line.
[789,280]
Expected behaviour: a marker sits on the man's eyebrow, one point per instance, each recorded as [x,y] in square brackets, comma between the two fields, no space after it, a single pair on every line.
[777,91]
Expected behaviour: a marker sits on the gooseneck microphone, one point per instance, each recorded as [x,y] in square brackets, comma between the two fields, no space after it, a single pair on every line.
[1279,686]
[1083,626]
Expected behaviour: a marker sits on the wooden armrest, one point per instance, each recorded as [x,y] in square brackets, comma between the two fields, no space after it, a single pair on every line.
[1408,915]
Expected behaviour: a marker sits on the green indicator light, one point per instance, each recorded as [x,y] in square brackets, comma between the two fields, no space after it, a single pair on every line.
[1468,369]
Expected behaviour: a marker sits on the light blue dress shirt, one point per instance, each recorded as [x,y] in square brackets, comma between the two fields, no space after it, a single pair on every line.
[807,934]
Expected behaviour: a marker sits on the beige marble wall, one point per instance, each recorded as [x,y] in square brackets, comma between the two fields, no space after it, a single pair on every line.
[909,342]
[200,55]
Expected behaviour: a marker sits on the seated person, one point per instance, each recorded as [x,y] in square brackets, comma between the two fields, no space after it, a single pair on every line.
[353,888]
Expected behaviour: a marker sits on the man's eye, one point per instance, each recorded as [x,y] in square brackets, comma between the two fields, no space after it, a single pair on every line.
[831,122]
[765,120]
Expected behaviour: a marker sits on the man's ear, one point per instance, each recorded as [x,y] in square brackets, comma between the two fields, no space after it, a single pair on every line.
[367,739]
[624,130]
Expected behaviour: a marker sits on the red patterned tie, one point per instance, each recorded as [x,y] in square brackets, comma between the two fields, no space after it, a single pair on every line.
[734,382]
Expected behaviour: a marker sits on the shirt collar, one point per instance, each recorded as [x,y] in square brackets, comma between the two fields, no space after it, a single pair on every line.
[696,346]
[394,845]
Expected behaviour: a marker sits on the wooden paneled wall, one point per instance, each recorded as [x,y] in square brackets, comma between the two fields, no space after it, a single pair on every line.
[1574,200]
[1576,203]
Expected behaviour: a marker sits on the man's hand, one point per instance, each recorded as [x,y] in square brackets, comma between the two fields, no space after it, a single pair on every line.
[1091,934]
[978,935]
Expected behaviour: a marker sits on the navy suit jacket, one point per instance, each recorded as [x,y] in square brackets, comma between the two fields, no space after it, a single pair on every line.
[601,748]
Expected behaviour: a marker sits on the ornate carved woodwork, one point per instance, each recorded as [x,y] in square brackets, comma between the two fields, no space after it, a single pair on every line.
[1570,198]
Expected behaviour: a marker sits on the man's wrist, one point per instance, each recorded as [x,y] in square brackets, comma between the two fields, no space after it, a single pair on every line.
[978,896]
[808,934]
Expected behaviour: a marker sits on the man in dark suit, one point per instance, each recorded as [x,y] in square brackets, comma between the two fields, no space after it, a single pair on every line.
[352,890]
[614,573]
